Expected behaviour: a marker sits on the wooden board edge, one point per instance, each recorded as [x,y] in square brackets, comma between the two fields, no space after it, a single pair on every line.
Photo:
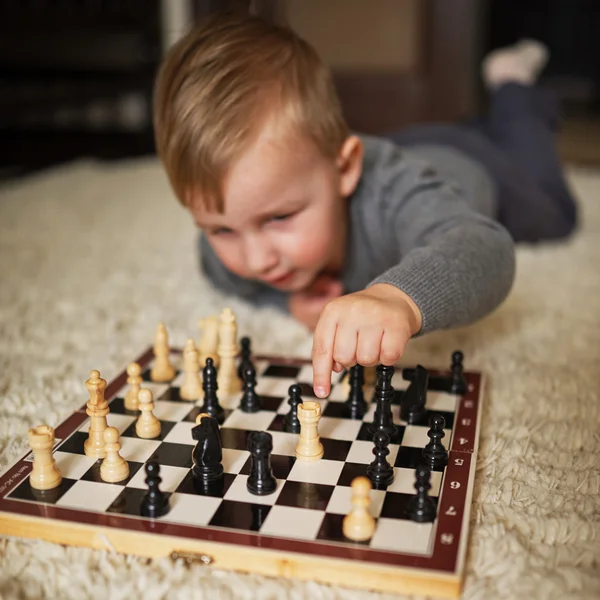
[350,575]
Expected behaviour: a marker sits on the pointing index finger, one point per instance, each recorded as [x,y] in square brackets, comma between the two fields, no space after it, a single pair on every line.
[322,357]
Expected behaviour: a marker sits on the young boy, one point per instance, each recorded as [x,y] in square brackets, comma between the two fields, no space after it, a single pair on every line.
[368,241]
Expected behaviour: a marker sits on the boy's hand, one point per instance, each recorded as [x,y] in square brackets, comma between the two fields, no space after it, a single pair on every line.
[368,327]
[306,306]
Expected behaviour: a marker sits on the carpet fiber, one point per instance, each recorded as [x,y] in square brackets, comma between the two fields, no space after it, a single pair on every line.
[92,256]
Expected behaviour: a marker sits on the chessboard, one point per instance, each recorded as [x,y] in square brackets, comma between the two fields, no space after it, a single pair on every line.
[372,491]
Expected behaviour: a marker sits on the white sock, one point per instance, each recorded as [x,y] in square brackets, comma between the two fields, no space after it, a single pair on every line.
[521,63]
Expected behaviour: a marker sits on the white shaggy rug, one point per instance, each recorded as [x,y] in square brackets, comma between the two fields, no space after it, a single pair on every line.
[92,256]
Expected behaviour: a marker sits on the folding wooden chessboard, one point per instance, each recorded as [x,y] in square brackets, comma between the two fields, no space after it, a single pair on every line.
[294,532]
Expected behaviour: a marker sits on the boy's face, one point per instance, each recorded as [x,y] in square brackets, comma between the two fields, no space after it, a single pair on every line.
[284,218]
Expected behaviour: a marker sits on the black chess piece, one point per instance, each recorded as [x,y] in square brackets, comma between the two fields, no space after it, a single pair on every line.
[383,419]
[458,384]
[434,453]
[208,452]
[412,405]
[250,401]
[421,507]
[261,480]
[155,503]
[380,472]
[291,423]
[211,404]
[355,405]
[245,358]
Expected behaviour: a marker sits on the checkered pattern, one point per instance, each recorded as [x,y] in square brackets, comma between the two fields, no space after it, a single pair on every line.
[311,498]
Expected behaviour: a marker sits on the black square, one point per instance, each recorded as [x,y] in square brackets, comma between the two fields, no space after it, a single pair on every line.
[194,485]
[279,370]
[174,455]
[234,439]
[338,410]
[409,457]
[335,449]
[191,416]
[306,390]
[301,494]
[24,491]
[277,424]
[74,444]
[270,402]
[240,515]
[350,472]
[395,505]
[165,428]
[367,436]
[93,473]
[171,394]
[281,465]
[332,530]
[129,501]
[117,406]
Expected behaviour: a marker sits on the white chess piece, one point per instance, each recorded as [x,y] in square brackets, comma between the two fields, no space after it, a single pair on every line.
[134,379]
[147,426]
[309,445]
[191,388]
[359,525]
[114,467]
[162,369]
[209,342]
[97,409]
[45,474]
[227,379]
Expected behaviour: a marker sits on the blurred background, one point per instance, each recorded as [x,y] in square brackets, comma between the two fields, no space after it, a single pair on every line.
[76,76]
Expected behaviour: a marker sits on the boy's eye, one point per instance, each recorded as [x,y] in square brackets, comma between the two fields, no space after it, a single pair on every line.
[282,217]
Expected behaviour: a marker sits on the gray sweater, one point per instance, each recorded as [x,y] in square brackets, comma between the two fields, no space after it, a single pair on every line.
[423,220]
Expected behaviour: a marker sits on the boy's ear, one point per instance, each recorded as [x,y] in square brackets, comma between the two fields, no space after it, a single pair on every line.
[349,163]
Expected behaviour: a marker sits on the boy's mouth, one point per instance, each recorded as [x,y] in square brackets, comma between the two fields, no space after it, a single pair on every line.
[282,279]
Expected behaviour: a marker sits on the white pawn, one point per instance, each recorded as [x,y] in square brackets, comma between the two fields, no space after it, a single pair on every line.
[162,370]
[359,524]
[147,426]
[134,379]
[45,474]
[114,467]
[192,384]
[309,445]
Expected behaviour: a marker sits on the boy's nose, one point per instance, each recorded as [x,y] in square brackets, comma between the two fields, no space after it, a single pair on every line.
[260,256]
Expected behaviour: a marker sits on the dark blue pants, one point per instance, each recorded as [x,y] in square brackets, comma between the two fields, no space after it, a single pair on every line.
[516,143]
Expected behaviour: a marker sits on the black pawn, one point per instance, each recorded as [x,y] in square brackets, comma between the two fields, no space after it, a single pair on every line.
[355,404]
[245,359]
[250,402]
[383,419]
[154,503]
[434,453]
[291,423]
[261,480]
[421,508]
[211,404]
[380,472]
[458,385]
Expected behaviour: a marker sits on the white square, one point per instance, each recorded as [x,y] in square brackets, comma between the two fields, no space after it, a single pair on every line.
[156,388]
[284,443]
[178,381]
[191,509]
[340,502]
[73,466]
[319,471]
[238,491]
[181,433]
[121,422]
[171,478]
[404,482]
[441,401]
[416,436]
[401,535]
[171,411]
[258,421]
[234,460]
[227,401]
[138,450]
[339,429]
[398,383]
[362,452]
[90,495]
[293,522]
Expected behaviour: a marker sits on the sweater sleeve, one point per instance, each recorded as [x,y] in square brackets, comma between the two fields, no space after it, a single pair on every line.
[228,283]
[456,264]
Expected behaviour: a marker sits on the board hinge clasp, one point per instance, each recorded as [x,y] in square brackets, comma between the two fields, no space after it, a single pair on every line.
[192,558]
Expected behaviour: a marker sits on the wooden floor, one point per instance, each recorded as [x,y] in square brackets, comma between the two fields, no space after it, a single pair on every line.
[579,141]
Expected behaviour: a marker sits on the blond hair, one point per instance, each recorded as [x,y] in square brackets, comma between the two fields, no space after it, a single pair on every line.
[219,84]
